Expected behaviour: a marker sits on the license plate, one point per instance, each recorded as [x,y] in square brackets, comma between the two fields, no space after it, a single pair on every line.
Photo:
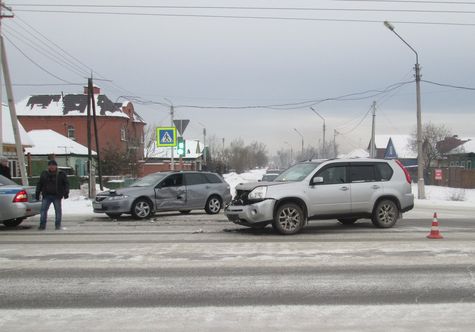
[96,205]
[233,217]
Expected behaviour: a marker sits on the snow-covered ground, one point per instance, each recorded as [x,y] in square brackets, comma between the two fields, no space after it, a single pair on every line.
[454,200]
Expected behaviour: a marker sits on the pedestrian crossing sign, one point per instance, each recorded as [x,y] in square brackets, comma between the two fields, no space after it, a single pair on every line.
[166,136]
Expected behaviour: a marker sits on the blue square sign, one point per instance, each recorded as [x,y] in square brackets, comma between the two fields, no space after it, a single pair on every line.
[166,136]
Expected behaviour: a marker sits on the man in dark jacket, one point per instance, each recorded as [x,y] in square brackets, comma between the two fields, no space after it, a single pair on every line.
[53,186]
[4,169]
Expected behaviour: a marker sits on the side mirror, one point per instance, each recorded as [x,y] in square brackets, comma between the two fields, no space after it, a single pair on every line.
[316,180]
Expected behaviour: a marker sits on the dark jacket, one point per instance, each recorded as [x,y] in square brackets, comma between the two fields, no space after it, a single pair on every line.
[56,184]
[5,171]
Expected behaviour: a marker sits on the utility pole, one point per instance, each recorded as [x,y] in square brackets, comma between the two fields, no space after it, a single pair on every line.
[301,136]
[96,134]
[324,147]
[90,169]
[372,148]
[11,105]
[420,159]
[204,147]
[334,142]
[172,115]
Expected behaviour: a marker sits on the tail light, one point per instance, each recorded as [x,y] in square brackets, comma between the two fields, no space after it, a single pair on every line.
[21,197]
[406,172]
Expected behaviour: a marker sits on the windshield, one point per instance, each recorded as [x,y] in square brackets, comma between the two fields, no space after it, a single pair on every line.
[297,172]
[149,180]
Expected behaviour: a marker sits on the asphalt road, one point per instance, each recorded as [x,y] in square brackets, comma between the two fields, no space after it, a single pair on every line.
[200,272]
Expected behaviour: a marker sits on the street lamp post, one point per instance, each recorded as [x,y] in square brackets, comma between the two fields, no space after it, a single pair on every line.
[301,136]
[420,162]
[323,141]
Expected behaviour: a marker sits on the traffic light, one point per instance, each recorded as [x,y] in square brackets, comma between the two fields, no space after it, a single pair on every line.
[180,147]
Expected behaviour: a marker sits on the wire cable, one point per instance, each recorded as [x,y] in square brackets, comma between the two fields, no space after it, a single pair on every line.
[245,17]
[35,63]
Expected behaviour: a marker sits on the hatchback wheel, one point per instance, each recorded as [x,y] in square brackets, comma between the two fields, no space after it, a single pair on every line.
[289,219]
[213,205]
[141,209]
[385,214]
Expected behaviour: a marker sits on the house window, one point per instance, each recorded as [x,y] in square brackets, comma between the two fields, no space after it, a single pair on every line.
[469,164]
[14,171]
[457,163]
[452,164]
[462,163]
[71,133]
[123,136]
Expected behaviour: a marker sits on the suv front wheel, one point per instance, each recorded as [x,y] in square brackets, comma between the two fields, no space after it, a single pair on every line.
[385,214]
[289,219]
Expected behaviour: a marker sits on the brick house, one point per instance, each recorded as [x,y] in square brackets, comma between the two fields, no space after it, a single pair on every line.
[120,128]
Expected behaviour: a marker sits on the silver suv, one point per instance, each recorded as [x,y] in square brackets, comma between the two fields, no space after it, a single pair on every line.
[343,189]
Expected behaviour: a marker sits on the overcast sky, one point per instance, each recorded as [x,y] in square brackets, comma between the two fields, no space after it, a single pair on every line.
[206,61]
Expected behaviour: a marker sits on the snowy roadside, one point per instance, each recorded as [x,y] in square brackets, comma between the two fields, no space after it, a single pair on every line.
[448,202]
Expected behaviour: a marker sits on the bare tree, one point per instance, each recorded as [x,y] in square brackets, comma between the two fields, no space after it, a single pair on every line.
[431,135]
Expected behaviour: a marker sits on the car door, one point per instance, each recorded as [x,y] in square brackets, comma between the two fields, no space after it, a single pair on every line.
[170,193]
[197,188]
[366,186]
[332,196]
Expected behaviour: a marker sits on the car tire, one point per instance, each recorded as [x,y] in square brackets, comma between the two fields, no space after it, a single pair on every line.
[213,205]
[347,221]
[385,214]
[13,222]
[114,215]
[185,211]
[142,209]
[289,219]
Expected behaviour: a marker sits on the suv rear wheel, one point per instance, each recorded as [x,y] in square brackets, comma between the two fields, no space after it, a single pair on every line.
[289,219]
[385,214]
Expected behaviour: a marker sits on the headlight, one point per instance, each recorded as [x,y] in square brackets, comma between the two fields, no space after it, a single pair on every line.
[117,198]
[258,193]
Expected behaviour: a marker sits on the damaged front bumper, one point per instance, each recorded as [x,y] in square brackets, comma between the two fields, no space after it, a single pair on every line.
[251,214]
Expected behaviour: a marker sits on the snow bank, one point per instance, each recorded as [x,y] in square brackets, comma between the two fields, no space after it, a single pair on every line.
[234,179]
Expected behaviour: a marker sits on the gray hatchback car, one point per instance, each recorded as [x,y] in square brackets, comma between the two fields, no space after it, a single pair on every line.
[166,191]
[343,189]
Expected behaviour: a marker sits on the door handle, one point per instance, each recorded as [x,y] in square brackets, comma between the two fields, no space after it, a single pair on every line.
[375,186]
[344,188]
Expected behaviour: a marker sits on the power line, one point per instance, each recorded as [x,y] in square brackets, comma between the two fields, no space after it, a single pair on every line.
[413,2]
[44,51]
[449,85]
[246,8]
[245,17]
[36,64]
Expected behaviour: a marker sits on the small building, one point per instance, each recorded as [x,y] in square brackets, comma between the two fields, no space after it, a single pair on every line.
[463,155]
[9,146]
[158,159]
[120,128]
[71,156]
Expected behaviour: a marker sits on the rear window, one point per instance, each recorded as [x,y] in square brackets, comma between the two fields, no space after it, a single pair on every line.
[212,178]
[6,182]
[385,171]
[195,178]
[364,173]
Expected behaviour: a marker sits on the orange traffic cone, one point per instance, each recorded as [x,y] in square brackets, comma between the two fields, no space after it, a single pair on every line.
[434,231]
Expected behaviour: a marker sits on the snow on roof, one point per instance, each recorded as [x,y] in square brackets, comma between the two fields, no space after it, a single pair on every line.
[467,147]
[7,132]
[70,105]
[357,153]
[401,144]
[194,150]
[48,141]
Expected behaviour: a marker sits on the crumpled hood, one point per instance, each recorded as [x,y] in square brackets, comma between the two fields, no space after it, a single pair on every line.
[252,185]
